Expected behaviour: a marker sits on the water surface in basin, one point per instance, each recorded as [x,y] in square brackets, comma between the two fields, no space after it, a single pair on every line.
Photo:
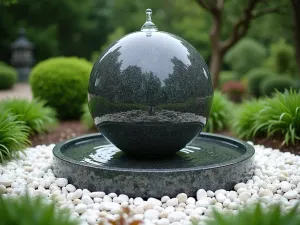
[202,151]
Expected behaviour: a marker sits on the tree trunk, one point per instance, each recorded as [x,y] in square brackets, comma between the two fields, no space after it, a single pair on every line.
[296,12]
[215,66]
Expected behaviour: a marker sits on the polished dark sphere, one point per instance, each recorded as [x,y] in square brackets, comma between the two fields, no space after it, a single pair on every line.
[150,93]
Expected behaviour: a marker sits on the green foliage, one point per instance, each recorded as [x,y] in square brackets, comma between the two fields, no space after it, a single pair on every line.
[227,75]
[244,119]
[278,115]
[270,85]
[86,117]
[63,83]
[8,76]
[257,215]
[35,114]
[282,58]
[245,55]
[13,136]
[23,210]
[78,27]
[219,114]
[255,78]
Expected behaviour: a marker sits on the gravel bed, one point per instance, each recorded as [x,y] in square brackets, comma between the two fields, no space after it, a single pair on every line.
[276,180]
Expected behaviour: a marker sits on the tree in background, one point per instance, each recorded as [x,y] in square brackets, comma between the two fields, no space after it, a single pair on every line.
[240,13]
[68,27]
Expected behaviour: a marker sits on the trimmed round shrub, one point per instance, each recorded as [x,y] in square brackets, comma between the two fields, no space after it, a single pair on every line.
[270,85]
[62,82]
[255,78]
[8,76]
[245,55]
[86,118]
[25,210]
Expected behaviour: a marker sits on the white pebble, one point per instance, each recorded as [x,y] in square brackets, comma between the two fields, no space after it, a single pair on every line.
[290,194]
[163,221]
[123,198]
[77,194]
[201,193]
[5,181]
[154,201]
[182,197]
[138,201]
[244,196]
[165,199]
[285,186]
[220,197]
[80,208]
[61,182]
[87,200]
[151,214]
[172,202]
[97,194]
[190,200]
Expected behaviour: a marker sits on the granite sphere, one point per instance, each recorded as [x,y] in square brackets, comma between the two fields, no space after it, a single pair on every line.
[150,93]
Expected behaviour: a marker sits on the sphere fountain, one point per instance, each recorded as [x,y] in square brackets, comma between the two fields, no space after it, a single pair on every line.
[150,95]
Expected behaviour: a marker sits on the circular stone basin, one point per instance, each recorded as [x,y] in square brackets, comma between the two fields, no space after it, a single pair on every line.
[210,162]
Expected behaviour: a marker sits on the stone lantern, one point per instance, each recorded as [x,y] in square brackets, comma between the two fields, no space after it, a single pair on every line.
[22,56]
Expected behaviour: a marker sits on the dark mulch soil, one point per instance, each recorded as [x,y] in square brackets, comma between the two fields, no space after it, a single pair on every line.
[69,129]
[64,131]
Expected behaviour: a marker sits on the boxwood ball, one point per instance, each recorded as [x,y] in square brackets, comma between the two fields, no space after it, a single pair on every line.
[150,93]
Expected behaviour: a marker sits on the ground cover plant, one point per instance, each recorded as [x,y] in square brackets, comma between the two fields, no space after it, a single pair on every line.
[35,114]
[272,116]
[258,215]
[25,210]
[220,113]
[13,135]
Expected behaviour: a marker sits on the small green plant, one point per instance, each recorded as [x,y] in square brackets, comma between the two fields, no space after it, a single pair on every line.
[63,83]
[255,78]
[276,115]
[270,85]
[38,117]
[219,114]
[257,215]
[244,119]
[13,135]
[86,117]
[8,76]
[26,210]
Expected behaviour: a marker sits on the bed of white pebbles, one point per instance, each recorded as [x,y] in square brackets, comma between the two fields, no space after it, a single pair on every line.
[276,180]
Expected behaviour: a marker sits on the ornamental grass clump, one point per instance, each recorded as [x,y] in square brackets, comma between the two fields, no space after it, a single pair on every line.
[13,136]
[276,116]
[35,114]
[220,113]
[26,210]
[258,215]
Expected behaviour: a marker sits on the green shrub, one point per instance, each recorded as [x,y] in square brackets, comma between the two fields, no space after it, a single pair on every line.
[63,83]
[278,115]
[255,78]
[25,210]
[13,135]
[282,58]
[38,117]
[244,119]
[8,76]
[268,86]
[219,114]
[86,118]
[245,55]
[257,215]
